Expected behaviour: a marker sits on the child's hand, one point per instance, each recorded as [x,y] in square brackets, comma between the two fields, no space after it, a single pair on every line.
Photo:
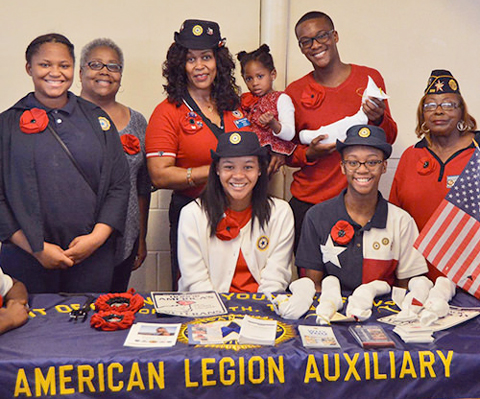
[276,162]
[266,118]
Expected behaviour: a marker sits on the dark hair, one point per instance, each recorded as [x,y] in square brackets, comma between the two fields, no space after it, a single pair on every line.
[261,54]
[314,15]
[34,46]
[469,120]
[214,200]
[224,90]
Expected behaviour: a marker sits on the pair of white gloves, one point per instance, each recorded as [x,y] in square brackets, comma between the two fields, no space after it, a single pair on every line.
[359,303]
[426,301]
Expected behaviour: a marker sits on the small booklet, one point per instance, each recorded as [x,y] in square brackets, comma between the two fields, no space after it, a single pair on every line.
[188,304]
[371,336]
[152,335]
[318,337]
[206,334]
[257,331]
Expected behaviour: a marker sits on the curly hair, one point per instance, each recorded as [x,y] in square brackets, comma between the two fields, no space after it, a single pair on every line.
[469,120]
[215,201]
[261,55]
[101,42]
[224,89]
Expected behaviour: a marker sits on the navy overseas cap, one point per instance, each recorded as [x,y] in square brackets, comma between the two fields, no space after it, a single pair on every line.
[442,81]
[238,144]
[369,135]
[197,34]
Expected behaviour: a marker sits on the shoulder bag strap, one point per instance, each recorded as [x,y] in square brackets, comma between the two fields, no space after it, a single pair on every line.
[67,151]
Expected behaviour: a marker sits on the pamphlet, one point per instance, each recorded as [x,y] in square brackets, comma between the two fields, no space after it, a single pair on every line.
[318,337]
[206,334]
[454,317]
[257,331]
[188,304]
[152,335]
[371,336]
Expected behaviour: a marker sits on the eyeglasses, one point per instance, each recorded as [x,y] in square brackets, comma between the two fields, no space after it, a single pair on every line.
[98,66]
[446,106]
[354,165]
[322,37]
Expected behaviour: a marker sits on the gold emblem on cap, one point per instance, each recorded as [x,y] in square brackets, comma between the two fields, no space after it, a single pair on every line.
[197,30]
[453,85]
[364,132]
[235,138]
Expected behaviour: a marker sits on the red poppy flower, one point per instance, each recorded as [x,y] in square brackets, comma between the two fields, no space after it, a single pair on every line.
[312,97]
[248,101]
[227,228]
[342,232]
[33,120]
[131,144]
[425,165]
[191,123]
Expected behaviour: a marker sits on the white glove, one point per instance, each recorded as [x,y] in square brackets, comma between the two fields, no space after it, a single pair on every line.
[338,129]
[361,301]
[436,305]
[414,301]
[330,300]
[294,306]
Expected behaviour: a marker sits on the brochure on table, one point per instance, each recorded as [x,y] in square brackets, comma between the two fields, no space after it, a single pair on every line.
[152,335]
[188,304]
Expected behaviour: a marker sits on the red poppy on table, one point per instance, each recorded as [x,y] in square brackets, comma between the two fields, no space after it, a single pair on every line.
[191,123]
[342,232]
[33,120]
[131,144]
[312,97]
[227,228]
[248,100]
[425,165]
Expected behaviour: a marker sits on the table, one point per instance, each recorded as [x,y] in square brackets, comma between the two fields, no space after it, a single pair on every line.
[52,357]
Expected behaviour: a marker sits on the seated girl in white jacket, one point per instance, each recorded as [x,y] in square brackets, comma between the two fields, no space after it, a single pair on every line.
[235,237]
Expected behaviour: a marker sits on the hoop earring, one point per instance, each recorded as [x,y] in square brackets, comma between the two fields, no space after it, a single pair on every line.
[423,128]
[461,126]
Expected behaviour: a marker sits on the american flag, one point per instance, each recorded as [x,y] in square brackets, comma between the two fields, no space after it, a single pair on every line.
[451,238]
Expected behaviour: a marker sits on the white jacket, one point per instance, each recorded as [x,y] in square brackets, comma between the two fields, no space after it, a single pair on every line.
[208,263]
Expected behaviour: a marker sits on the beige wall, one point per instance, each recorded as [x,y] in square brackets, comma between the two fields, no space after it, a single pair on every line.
[403,40]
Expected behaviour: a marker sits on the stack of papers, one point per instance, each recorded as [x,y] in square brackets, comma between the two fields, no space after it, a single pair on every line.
[257,331]
[414,331]
[152,335]
[416,334]
[318,337]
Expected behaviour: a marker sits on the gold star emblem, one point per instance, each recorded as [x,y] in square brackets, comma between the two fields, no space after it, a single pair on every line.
[439,86]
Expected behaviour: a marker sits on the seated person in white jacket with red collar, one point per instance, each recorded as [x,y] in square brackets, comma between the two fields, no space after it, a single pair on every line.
[235,237]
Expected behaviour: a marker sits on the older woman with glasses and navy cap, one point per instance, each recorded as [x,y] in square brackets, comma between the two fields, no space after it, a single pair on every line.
[101,68]
[428,170]
[201,106]
[235,237]
[358,236]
